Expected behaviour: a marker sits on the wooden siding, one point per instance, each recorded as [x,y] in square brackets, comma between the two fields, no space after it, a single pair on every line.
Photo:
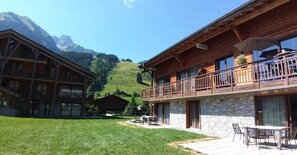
[30,65]
[275,22]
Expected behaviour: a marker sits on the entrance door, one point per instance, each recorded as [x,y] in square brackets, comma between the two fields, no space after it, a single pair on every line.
[271,110]
[164,113]
[293,111]
[193,114]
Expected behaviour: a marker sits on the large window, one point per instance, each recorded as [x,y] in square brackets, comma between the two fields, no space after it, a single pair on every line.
[289,44]
[224,63]
[15,85]
[47,108]
[271,110]
[70,92]
[70,109]
[41,89]
[33,108]
[267,53]
[17,68]
[163,113]
[188,73]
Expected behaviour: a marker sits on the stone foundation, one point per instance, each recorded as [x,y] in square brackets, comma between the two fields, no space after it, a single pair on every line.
[178,113]
[217,113]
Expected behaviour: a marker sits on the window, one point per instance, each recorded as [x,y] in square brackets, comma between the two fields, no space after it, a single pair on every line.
[3,103]
[224,77]
[65,91]
[163,113]
[66,109]
[163,80]
[47,108]
[16,68]
[289,44]
[14,85]
[227,62]
[52,72]
[271,110]
[71,92]
[33,108]
[76,92]
[267,53]
[188,73]
[71,109]
[41,89]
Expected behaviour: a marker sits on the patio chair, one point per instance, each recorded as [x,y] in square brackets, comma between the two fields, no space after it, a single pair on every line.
[258,135]
[237,130]
[270,133]
[291,136]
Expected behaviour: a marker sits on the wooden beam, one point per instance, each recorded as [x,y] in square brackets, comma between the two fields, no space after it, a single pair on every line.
[180,60]
[235,30]
[52,108]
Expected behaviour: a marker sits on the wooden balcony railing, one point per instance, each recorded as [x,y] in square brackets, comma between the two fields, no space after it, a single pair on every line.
[279,72]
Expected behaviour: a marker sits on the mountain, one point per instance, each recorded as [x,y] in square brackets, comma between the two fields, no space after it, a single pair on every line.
[28,28]
[65,43]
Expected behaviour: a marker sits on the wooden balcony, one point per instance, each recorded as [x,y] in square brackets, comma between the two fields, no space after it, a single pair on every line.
[281,72]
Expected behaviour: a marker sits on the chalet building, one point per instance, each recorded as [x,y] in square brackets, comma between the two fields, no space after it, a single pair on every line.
[37,82]
[241,68]
[111,103]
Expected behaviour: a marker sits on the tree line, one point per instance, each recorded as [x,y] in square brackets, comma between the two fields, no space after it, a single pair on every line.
[101,64]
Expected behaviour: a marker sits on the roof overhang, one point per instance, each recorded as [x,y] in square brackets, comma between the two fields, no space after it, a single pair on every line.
[230,21]
[13,34]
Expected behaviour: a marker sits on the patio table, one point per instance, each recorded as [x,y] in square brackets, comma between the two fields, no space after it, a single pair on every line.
[148,118]
[278,130]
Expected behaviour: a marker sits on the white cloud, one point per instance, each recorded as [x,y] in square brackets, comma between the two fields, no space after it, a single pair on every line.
[129,3]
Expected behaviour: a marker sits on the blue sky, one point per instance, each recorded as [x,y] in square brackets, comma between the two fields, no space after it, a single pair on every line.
[135,29]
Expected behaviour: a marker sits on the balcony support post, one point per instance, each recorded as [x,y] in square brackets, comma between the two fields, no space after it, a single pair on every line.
[286,67]
[36,53]
[58,65]
[211,83]
[86,80]
[231,80]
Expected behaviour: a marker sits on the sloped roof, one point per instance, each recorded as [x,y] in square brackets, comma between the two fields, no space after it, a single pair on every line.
[110,96]
[48,52]
[243,13]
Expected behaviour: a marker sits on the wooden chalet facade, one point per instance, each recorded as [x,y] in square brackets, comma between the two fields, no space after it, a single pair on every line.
[197,83]
[112,103]
[37,82]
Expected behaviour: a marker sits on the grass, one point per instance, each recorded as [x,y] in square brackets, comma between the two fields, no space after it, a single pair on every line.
[85,136]
[123,77]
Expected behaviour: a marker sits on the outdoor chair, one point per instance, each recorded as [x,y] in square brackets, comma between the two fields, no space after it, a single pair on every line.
[258,135]
[291,136]
[270,133]
[237,130]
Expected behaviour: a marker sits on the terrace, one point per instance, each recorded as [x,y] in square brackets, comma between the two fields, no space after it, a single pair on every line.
[279,72]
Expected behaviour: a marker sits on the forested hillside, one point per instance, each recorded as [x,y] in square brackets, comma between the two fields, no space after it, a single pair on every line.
[101,64]
[121,78]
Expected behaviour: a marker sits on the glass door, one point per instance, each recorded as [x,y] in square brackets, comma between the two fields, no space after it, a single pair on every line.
[164,113]
[271,110]
[293,111]
[195,114]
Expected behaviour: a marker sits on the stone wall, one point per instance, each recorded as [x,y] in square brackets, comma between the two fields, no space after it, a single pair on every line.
[178,113]
[217,113]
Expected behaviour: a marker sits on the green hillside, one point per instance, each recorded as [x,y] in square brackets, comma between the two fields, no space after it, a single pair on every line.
[123,77]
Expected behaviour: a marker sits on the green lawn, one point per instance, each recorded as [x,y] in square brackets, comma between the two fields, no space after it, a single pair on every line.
[85,136]
[123,77]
